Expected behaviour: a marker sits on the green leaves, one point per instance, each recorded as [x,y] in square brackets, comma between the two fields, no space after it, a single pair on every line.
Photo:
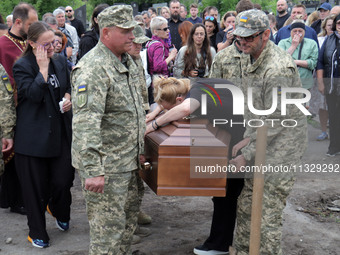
[42,6]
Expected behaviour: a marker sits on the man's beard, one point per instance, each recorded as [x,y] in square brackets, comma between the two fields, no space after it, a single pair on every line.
[175,16]
[22,33]
[281,12]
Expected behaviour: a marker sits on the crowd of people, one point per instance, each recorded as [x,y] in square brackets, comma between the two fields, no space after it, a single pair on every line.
[80,99]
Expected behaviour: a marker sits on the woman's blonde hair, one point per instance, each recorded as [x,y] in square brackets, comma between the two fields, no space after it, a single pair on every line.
[324,23]
[168,89]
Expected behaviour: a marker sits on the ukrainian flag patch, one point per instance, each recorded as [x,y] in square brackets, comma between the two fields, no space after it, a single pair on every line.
[82,88]
[279,91]
[244,19]
[7,84]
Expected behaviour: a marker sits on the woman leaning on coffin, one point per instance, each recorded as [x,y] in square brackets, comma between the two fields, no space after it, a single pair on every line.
[179,98]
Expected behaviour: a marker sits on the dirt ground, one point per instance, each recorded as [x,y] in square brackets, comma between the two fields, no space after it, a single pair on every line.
[181,223]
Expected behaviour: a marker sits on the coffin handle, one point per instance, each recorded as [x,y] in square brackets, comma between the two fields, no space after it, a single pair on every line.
[146,166]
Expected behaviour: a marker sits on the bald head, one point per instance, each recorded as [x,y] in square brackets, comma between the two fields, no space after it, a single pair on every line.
[335,10]
[281,7]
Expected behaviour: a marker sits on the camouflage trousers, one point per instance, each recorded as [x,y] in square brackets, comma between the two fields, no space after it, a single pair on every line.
[113,214]
[276,191]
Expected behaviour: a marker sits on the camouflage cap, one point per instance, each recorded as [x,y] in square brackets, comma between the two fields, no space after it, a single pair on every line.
[140,37]
[117,15]
[251,21]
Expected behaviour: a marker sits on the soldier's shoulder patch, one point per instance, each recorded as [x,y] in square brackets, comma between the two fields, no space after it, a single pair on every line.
[81,97]
[7,84]
[81,100]
[81,88]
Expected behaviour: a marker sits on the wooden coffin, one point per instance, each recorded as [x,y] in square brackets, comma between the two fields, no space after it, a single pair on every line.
[180,153]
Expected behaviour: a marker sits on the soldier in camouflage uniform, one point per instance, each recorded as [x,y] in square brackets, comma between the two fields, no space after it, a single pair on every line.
[265,67]
[8,116]
[140,39]
[227,64]
[108,133]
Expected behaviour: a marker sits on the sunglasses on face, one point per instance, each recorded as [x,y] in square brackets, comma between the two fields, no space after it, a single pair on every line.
[164,29]
[68,10]
[249,38]
[209,18]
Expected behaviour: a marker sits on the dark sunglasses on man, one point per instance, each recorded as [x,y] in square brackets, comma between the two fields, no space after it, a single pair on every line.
[248,38]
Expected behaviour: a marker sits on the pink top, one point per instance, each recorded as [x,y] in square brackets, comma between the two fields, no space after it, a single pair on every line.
[157,53]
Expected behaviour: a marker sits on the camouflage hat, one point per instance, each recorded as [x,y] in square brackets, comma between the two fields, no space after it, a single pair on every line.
[117,15]
[138,32]
[251,21]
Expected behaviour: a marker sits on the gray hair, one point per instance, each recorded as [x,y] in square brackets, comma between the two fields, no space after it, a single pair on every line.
[57,12]
[51,20]
[145,12]
[157,22]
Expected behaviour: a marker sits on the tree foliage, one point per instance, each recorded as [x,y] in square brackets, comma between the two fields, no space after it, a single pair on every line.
[229,5]
[42,6]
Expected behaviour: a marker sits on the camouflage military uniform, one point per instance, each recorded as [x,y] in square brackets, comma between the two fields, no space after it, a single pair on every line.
[140,38]
[108,137]
[142,83]
[7,108]
[227,65]
[273,69]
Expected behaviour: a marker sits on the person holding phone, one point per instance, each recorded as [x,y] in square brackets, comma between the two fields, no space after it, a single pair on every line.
[225,37]
[43,133]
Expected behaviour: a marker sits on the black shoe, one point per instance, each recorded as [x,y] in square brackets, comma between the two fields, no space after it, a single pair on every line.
[332,153]
[204,250]
[18,209]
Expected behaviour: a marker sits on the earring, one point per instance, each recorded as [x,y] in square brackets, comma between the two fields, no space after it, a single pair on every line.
[33,48]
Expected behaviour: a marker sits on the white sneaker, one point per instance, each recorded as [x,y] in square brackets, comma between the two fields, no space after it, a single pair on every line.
[202,250]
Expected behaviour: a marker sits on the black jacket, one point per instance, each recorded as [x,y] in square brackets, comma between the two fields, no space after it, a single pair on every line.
[40,124]
[330,59]
[87,42]
[317,26]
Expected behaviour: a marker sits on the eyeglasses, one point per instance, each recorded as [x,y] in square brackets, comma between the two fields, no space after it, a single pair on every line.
[47,45]
[248,38]
[164,29]
[210,18]
[68,10]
